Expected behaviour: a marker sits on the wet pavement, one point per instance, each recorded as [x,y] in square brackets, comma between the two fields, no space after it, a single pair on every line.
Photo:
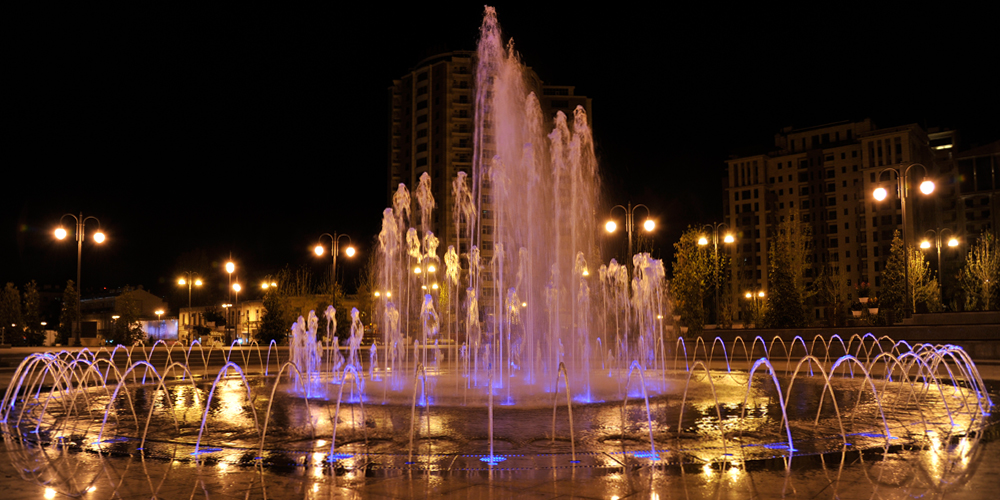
[33,473]
[960,469]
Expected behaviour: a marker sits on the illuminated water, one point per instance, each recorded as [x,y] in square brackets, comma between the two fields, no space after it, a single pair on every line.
[476,385]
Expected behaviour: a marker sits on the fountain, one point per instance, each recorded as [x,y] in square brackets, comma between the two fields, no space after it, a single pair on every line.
[526,323]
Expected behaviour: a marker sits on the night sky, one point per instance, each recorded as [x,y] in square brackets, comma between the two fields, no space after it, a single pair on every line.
[193,134]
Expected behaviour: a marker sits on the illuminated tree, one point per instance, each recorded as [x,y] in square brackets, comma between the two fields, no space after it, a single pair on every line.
[33,314]
[981,272]
[69,315]
[692,270]
[10,314]
[785,272]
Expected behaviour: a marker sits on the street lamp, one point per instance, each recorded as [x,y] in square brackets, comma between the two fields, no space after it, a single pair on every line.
[757,299]
[187,280]
[99,237]
[938,235]
[230,268]
[334,250]
[926,187]
[649,225]
[236,327]
[727,238]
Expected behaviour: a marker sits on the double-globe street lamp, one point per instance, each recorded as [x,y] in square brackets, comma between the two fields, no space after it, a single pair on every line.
[938,236]
[758,299]
[880,193]
[611,226]
[99,237]
[727,238]
[334,251]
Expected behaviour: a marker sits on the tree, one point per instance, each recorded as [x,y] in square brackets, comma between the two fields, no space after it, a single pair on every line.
[832,290]
[785,273]
[893,294]
[980,274]
[10,315]
[692,269]
[924,289]
[70,314]
[126,330]
[275,322]
[33,314]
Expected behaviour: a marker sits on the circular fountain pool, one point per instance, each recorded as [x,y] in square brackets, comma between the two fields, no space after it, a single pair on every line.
[704,411]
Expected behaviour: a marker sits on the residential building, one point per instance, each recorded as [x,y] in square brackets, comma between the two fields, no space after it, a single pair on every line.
[825,176]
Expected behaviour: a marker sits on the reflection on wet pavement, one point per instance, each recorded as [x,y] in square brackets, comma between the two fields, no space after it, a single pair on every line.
[963,469]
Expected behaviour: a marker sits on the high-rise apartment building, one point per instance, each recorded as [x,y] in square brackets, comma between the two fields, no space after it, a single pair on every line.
[431,126]
[825,177]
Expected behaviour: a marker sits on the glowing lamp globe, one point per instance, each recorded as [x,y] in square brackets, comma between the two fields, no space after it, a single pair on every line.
[927,187]
[99,237]
[649,225]
[880,194]
[610,226]
[61,233]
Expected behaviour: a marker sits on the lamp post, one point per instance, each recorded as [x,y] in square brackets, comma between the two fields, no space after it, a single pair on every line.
[99,237]
[938,235]
[727,239]
[926,187]
[334,250]
[230,268]
[236,327]
[187,280]
[757,298]
[649,225]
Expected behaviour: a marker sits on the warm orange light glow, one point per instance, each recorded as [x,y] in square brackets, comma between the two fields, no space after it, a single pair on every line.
[417,270]
[748,295]
[99,237]
[925,244]
[319,250]
[880,194]
[197,282]
[431,268]
[703,241]
[61,233]
[610,226]
[182,281]
[237,287]
[760,293]
[729,238]
[350,251]
[388,294]
[377,294]
[649,225]
[927,187]
[230,267]
[953,242]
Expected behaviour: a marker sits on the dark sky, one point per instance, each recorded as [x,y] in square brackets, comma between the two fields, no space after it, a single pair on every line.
[195,133]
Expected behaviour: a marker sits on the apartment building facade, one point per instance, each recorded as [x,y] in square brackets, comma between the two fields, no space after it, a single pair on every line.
[824,176]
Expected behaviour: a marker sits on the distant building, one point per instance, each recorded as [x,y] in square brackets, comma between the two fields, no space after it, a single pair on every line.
[98,312]
[826,175]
